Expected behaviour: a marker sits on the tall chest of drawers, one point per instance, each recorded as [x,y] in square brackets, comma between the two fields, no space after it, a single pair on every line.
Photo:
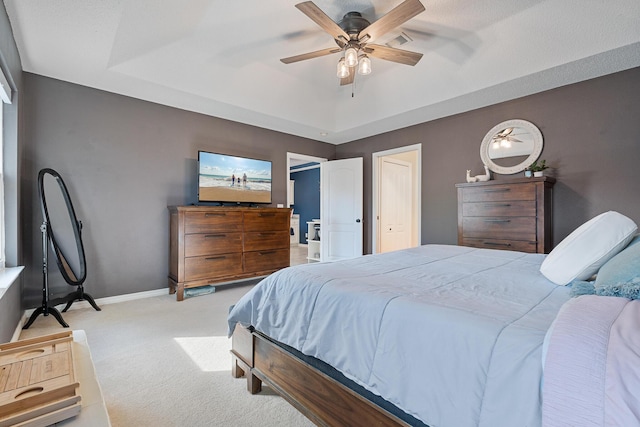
[209,245]
[513,214]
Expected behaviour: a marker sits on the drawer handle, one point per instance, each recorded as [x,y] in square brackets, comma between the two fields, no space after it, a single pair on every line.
[266,214]
[267,253]
[207,215]
[214,236]
[498,205]
[496,244]
[214,258]
[497,220]
[497,190]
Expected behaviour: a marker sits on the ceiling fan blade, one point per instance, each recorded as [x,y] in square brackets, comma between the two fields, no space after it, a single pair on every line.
[311,55]
[392,54]
[397,16]
[319,17]
[349,79]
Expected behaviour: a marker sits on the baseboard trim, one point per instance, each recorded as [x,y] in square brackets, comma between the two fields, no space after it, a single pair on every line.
[16,333]
[100,301]
[121,298]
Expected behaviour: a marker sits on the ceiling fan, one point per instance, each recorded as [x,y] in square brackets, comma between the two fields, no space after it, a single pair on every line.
[354,34]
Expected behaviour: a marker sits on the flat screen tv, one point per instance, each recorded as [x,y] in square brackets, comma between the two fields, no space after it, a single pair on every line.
[233,179]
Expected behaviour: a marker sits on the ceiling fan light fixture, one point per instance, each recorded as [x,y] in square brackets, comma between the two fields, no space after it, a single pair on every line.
[364,65]
[351,56]
[353,35]
[343,69]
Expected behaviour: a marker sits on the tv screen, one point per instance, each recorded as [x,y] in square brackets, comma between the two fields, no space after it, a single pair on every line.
[224,178]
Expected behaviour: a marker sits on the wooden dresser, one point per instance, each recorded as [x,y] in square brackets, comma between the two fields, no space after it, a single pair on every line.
[209,245]
[513,214]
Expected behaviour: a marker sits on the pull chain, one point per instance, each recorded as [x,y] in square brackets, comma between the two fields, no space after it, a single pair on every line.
[353,84]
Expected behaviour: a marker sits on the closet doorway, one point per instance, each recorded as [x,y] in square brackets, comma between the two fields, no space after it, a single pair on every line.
[397,177]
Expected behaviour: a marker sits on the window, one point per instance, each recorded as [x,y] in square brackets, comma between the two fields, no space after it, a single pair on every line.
[5,97]
[2,252]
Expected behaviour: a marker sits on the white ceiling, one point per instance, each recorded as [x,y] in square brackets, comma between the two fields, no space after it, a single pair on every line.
[221,58]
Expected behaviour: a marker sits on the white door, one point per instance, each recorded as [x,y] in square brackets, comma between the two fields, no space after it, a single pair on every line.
[341,209]
[395,209]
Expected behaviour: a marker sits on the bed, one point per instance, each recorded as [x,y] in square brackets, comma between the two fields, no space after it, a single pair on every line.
[437,335]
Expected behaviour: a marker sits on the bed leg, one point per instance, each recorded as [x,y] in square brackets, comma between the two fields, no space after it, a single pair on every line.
[239,368]
[236,367]
[254,384]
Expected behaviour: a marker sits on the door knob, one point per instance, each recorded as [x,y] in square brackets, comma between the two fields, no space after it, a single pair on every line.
[358,220]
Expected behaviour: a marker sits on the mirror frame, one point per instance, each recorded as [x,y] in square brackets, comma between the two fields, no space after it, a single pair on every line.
[61,260]
[509,170]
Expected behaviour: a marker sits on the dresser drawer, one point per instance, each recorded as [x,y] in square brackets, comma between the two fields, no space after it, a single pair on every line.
[256,241]
[497,193]
[515,228]
[511,245]
[212,244]
[266,221]
[504,208]
[266,260]
[204,267]
[209,222]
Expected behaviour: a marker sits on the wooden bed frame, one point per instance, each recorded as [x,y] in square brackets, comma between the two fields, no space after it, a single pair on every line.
[322,399]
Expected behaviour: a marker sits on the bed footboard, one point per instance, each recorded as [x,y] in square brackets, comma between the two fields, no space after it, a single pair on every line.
[322,399]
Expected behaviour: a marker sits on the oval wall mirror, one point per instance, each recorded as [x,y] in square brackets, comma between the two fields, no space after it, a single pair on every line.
[63,227]
[511,146]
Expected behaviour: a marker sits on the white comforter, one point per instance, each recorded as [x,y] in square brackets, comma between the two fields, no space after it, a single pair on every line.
[451,335]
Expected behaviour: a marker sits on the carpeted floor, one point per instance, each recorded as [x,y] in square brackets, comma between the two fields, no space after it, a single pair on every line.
[166,363]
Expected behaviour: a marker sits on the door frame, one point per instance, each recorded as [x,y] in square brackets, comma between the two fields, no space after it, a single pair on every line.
[417,190]
[301,157]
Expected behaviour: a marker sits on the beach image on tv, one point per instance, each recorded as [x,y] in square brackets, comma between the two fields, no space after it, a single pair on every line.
[225,178]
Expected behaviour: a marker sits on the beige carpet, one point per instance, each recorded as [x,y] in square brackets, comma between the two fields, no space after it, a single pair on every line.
[166,363]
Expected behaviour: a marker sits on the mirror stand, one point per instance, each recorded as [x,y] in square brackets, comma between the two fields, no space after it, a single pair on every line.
[64,236]
[79,295]
[46,308]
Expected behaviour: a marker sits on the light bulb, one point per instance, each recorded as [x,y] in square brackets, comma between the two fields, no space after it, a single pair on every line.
[351,56]
[343,70]
[364,65]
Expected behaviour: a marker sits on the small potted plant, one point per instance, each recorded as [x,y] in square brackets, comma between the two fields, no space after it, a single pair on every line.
[537,168]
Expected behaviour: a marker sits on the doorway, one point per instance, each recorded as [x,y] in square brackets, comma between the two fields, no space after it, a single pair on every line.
[339,220]
[303,196]
[397,178]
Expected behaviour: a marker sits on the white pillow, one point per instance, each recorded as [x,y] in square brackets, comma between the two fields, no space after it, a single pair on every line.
[581,254]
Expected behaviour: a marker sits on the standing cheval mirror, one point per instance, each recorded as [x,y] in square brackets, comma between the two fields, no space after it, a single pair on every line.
[62,231]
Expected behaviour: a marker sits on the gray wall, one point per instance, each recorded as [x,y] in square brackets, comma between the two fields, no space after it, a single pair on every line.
[592,140]
[123,161]
[10,308]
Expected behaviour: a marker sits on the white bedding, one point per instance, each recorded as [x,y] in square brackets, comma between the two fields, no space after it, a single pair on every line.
[592,368]
[451,335]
